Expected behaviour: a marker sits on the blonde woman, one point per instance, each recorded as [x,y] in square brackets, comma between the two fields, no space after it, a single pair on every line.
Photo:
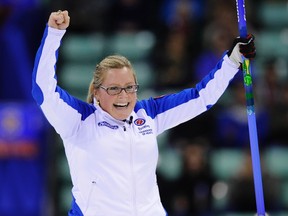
[110,140]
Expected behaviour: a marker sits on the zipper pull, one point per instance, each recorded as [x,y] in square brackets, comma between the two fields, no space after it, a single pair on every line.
[124,128]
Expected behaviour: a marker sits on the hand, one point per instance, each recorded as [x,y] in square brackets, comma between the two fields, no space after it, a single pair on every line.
[244,46]
[59,20]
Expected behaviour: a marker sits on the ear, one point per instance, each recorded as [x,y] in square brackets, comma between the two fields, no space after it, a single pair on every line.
[95,94]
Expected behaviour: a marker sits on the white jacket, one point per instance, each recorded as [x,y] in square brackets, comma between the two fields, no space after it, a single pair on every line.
[113,163]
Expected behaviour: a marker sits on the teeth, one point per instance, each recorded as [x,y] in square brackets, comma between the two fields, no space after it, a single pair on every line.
[121,104]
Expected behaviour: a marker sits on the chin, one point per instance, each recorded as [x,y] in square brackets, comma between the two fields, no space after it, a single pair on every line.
[121,116]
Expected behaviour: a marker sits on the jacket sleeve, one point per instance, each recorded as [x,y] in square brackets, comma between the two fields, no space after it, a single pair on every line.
[173,109]
[63,111]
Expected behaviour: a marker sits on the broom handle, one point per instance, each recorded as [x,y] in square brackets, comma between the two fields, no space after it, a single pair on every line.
[246,68]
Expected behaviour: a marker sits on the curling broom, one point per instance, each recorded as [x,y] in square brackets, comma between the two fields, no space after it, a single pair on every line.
[247,78]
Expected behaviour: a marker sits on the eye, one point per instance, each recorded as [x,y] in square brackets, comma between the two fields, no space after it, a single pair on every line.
[130,87]
[114,88]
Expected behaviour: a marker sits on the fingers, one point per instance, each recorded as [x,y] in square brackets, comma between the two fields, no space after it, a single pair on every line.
[59,17]
[248,48]
[59,20]
[242,46]
[248,51]
[250,37]
[66,16]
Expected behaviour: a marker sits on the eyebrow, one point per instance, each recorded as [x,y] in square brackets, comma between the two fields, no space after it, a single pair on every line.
[113,84]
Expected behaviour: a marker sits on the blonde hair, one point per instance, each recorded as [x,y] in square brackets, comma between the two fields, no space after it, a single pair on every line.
[110,62]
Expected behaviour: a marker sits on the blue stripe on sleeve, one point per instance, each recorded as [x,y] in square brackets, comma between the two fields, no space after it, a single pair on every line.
[36,91]
[210,76]
[155,106]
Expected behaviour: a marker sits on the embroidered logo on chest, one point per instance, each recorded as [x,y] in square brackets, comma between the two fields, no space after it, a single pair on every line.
[106,124]
[142,128]
[139,122]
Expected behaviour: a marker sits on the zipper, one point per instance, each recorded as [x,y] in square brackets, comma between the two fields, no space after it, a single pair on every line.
[133,194]
[132,175]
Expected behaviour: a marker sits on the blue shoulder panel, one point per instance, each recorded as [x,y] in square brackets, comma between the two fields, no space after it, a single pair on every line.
[82,107]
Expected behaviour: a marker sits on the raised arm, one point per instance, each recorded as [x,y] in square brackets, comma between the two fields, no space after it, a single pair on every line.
[174,109]
[63,111]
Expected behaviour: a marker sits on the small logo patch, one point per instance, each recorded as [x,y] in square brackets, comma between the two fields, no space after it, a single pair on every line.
[106,124]
[139,122]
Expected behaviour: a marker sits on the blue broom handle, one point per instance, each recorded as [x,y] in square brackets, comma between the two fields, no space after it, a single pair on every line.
[251,115]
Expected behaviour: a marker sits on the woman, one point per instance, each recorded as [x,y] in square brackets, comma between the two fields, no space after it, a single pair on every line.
[110,141]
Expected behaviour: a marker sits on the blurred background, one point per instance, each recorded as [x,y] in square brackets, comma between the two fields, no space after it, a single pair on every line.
[205,164]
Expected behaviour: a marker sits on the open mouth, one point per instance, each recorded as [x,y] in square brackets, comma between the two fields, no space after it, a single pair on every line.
[121,105]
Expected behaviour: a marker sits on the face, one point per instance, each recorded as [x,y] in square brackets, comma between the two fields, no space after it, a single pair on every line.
[118,106]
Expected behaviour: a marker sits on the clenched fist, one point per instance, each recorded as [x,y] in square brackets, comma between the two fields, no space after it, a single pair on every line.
[59,20]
